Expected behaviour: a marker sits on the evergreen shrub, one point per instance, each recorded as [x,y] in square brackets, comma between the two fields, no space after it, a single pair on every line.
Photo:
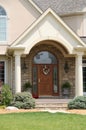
[23,100]
[78,103]
[6,95]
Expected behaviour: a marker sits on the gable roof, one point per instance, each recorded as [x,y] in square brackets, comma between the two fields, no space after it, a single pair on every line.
[62,6]
[40,19]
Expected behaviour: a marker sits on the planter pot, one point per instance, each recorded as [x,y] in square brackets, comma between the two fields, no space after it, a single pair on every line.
[30,90]
[66,92]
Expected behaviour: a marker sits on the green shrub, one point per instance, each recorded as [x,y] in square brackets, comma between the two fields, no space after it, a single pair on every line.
[26,86]
[6,95]
[2,106]
[23,100]
[78,103]
[66,85]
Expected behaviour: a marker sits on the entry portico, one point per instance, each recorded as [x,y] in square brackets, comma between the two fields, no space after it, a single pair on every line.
[49,33]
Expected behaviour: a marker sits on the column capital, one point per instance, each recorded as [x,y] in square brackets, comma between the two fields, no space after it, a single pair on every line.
[18,52]
[79,53]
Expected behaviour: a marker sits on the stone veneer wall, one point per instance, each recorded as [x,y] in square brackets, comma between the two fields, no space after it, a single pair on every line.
[70,76]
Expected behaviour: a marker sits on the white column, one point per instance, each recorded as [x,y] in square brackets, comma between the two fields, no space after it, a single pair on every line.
[79,75]
[17,73]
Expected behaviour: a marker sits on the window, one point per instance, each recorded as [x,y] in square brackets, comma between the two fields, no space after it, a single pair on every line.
[2,72]
[3,21]
[84,76]
[55,81]
[45,57]
[84,79]
[35,89]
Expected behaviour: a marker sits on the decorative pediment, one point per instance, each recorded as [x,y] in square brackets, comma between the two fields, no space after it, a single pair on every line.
[48,27]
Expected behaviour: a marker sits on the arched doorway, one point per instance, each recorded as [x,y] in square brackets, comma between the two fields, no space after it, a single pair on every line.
[45,75]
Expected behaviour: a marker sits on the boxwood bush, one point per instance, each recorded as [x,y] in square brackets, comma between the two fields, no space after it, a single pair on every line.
[6,95]
[23,100]
[78,103]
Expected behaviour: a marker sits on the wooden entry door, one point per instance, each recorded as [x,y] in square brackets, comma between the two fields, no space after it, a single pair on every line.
[44,80]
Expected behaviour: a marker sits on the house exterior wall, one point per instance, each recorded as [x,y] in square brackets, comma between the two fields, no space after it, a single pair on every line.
[84,25]
[20,15]
[75,22]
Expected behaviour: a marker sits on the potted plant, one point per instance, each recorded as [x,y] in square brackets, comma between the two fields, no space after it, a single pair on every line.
[66,89]
[27,87]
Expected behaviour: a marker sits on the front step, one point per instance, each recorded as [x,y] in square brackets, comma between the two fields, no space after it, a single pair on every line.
[51,106]
[52,103]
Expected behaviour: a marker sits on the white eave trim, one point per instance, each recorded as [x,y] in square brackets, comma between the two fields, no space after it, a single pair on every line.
[16,48]
[80,48]
[72,14]
[36,7]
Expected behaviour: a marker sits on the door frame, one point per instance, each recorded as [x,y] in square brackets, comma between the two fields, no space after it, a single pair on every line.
[53,94]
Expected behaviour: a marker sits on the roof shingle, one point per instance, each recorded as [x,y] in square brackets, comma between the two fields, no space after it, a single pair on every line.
[62,6]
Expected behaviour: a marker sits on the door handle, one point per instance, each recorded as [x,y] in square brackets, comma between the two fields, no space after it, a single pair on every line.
[39,80]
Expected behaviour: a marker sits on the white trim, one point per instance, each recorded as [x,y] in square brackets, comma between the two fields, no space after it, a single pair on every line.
[62,42]
[36,7]
[3,43]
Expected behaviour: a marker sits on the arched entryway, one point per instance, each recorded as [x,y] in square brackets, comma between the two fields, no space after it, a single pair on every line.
[45,69]
[45,74]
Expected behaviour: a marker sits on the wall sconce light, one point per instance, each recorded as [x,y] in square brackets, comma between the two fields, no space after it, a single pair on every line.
[66,67]
[24,67]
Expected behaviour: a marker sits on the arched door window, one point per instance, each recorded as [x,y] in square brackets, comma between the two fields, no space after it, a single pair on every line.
[45,57]
[3,24]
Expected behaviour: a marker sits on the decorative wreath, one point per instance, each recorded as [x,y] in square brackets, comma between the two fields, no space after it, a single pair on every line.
[46,70]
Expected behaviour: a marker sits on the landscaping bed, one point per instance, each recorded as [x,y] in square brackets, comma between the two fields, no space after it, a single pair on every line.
[78,111]
[4,111]
[74,111]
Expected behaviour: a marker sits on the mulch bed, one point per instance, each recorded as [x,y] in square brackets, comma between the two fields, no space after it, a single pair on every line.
[78,111]
[74,111]
[4,111]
